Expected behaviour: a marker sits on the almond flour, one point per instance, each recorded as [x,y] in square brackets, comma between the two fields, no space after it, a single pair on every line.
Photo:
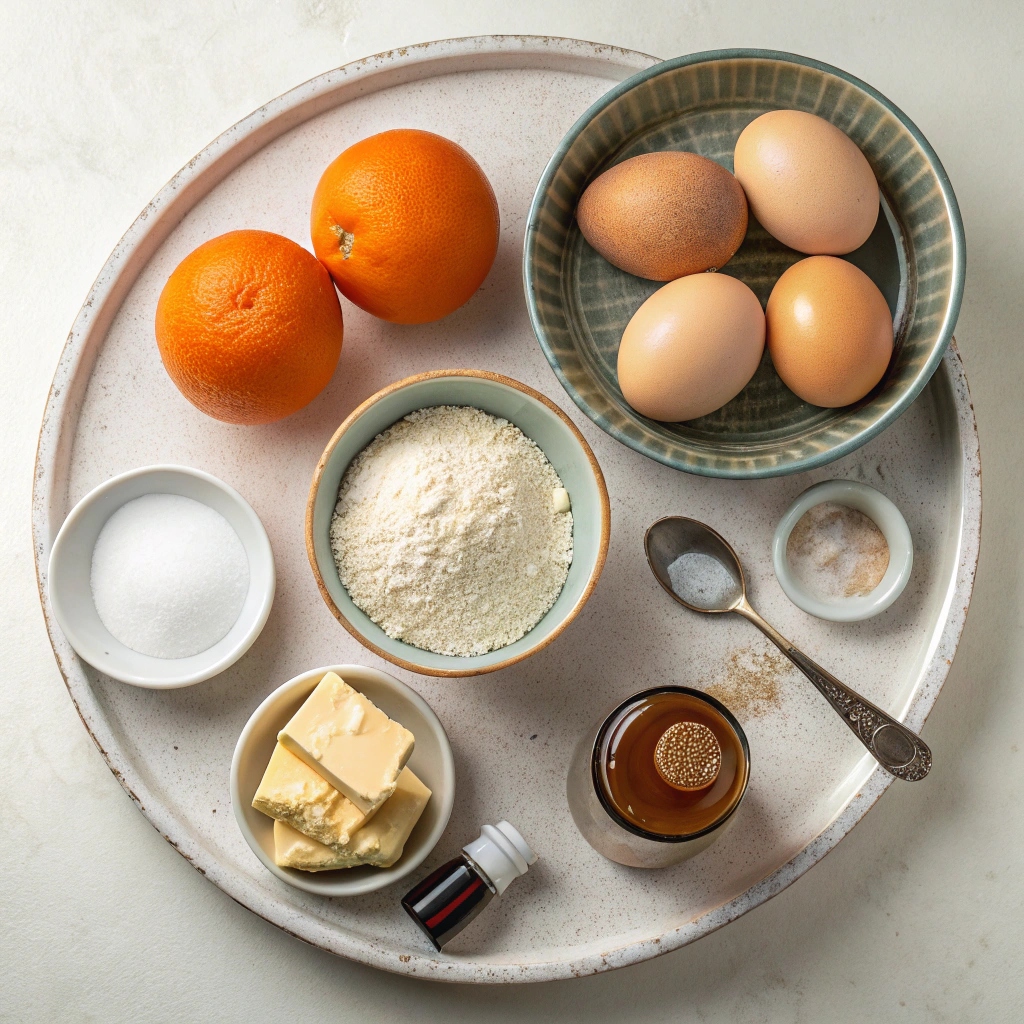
[446,532]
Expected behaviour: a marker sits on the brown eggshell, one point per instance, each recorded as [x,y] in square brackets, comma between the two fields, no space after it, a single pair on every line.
[691,347]
[807,182]
[830,332]
[664,215]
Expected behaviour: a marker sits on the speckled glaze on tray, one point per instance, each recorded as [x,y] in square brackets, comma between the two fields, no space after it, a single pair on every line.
[509,101]
[580,304]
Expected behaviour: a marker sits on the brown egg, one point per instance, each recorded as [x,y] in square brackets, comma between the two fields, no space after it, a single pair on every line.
[664,215]
[807,182]
[829,331]
[691,347]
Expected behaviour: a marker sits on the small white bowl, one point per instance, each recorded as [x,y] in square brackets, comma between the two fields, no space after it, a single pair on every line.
[70,568]
[431,760]
[884,514]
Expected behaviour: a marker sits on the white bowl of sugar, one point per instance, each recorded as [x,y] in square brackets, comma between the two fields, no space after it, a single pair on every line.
[161,577]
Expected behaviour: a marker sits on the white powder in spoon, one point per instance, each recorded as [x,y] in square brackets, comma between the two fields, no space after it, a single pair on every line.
[169,576]
[702,580]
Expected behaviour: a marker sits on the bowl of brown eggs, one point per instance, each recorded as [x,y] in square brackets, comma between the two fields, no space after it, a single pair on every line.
[744,263]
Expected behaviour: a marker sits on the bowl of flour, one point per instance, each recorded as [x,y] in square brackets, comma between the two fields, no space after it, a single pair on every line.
[457,522]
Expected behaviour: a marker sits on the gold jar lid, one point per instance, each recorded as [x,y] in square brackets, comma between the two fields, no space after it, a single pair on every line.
[688,756]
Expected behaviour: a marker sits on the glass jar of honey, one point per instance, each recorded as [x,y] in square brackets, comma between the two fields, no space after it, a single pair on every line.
[658,778]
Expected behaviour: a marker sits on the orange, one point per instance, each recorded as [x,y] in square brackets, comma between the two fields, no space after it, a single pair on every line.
[249,327]
[407,224]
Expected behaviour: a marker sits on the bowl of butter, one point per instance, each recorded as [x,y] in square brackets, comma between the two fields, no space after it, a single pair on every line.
[342,781]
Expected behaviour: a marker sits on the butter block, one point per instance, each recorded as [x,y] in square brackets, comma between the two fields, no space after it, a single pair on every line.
[291,791]
[379,843]
[347,740]
[294,850]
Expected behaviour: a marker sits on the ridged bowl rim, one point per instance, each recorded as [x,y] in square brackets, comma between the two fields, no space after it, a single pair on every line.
[859,436]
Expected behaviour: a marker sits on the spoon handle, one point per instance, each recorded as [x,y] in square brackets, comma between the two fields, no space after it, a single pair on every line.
[898,750]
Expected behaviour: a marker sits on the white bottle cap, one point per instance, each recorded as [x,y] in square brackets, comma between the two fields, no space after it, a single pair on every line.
[501,853]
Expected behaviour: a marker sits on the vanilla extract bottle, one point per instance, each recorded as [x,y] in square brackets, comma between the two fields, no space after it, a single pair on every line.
[452,896]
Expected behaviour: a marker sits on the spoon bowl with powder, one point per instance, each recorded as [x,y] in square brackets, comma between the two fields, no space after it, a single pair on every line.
[700,570]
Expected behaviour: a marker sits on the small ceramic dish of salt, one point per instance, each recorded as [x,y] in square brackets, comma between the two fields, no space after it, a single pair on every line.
[161,577]
[843,551]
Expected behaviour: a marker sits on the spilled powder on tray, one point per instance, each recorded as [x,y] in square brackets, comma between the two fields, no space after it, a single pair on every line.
[751,688]
[836,552]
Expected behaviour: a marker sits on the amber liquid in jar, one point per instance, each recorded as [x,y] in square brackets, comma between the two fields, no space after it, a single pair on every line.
[631,784]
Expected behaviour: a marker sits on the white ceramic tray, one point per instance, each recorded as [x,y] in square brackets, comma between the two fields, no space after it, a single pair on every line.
[112,407]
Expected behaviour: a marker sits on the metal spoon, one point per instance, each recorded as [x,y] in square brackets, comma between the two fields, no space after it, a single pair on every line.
[897,749]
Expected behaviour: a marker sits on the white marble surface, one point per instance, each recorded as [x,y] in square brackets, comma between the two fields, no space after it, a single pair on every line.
[916,914]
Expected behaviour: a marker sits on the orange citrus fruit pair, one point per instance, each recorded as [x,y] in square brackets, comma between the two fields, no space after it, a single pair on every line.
[249,325]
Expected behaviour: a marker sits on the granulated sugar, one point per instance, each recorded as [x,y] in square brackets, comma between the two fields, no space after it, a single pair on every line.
[446,532]
[702,580]
[169,576]
[836,552]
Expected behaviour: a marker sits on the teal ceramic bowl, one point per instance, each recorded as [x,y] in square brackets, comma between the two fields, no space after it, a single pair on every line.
[540,420]
[580,304]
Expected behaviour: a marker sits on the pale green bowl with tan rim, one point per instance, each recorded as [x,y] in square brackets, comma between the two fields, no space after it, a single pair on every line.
[579,304]
[541,421]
